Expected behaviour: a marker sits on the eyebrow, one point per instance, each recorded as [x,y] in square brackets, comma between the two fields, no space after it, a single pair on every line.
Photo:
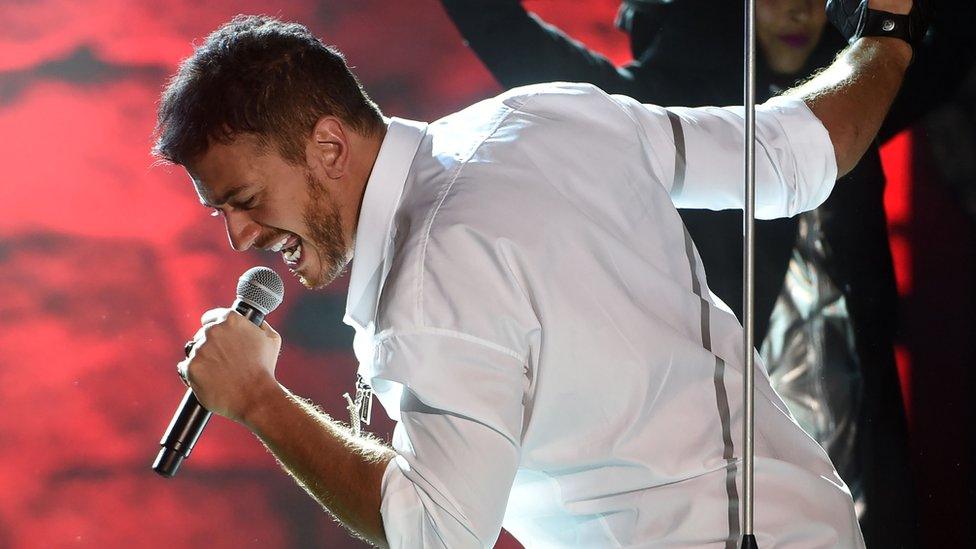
[224,198]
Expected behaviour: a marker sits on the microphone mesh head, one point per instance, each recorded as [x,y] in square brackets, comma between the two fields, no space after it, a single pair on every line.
[261,287]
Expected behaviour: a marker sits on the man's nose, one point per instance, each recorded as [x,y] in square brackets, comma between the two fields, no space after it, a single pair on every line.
[242,231]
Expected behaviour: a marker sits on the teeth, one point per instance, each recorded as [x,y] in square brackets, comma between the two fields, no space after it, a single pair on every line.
[294,254]
[279,244]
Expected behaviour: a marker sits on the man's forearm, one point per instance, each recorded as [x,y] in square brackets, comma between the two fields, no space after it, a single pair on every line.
[341,471]
[853,95]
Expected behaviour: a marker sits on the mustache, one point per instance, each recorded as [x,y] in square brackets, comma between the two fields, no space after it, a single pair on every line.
[265,241]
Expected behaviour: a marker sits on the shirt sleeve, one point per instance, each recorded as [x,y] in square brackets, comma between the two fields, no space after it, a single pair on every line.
[795,163]
[459,407]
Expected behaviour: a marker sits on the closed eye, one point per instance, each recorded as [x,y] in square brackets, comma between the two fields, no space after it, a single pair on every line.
[249,204]
[234,202]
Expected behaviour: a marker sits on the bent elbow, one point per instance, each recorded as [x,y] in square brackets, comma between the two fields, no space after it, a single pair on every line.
[850,144]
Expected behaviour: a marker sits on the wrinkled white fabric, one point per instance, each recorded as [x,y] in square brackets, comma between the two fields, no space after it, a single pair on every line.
[529,309]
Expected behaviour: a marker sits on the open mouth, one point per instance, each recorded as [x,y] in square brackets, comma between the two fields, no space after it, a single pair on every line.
[290,247]
[293,255]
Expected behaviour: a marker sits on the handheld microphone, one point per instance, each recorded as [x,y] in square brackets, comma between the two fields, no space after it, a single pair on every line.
[259,291]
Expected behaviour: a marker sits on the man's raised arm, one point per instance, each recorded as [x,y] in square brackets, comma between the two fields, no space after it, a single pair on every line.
[853,95]
[807,138]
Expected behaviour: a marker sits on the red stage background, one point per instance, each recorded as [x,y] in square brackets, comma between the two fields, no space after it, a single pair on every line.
[107,261]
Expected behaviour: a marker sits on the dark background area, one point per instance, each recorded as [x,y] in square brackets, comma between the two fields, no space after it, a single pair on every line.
[107,261]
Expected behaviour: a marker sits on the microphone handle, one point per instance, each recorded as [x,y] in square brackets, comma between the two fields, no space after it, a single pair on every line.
[191,417]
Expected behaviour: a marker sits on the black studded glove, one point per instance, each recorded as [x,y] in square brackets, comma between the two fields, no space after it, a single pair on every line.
[854,20]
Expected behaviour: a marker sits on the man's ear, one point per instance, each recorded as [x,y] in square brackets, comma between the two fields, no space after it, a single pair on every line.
[329,147]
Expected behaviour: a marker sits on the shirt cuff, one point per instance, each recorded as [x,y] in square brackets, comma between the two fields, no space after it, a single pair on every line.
[811,148]
[412,519]
[399,506]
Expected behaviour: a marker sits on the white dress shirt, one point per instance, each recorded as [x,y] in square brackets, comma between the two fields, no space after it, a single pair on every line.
[530,310]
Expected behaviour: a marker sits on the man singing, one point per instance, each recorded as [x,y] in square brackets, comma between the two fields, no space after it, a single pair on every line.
[528,306]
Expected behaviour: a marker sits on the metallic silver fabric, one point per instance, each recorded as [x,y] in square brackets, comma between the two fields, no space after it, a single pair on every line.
[810,354]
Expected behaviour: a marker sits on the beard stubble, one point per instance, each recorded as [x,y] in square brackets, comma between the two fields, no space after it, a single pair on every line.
[321,216]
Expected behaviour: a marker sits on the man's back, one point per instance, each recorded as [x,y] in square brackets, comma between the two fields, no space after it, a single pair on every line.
[546,338]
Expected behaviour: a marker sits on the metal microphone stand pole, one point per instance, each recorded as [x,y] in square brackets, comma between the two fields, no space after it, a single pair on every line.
[749,245]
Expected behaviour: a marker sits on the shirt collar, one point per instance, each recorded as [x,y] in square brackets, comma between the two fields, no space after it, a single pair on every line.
[373,231]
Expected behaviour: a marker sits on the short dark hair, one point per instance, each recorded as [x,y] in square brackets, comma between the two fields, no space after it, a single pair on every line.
[260,76]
